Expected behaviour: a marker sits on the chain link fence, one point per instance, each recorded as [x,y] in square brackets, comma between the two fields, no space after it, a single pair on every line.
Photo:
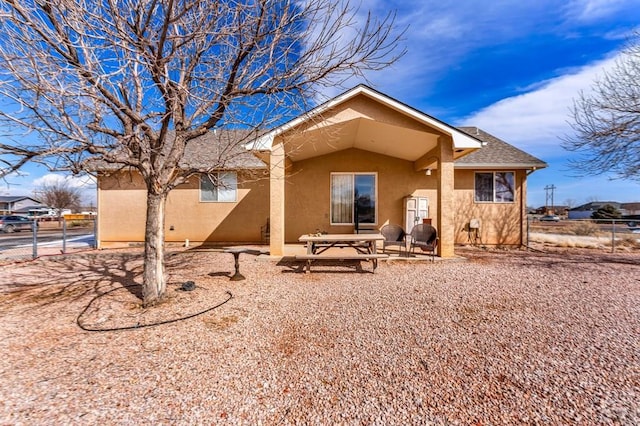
[605,234]
[46,238]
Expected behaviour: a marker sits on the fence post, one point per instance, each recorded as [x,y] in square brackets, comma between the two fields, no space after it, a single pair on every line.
[528,231]
[613,237]
[64,236]
[95,233]
[34,228]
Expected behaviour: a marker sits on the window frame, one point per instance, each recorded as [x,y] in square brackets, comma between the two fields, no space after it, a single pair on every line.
[353,176]
[204,178]
[494,185]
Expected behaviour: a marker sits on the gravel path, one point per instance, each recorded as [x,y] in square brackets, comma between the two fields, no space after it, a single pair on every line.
[505,338]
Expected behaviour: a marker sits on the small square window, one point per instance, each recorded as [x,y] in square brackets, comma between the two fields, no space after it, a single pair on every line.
[495,187]
[219,187]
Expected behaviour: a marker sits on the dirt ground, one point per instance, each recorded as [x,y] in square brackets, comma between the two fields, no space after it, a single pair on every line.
[506,337]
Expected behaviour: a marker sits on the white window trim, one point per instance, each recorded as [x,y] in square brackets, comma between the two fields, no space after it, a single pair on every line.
[375,175]
[493,172]
[235,197]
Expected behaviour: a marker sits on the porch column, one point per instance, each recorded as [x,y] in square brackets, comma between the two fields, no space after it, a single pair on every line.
[276,207]
[446,204]
[523,208]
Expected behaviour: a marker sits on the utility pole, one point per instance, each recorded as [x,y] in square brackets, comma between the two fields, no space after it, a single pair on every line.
[547,189]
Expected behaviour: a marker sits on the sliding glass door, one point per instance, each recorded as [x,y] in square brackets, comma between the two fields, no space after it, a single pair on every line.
[353,198]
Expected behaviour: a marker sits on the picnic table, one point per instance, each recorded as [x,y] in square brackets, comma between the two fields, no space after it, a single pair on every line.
[359,247]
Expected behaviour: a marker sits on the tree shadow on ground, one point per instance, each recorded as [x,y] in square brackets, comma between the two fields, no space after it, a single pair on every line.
[66,278]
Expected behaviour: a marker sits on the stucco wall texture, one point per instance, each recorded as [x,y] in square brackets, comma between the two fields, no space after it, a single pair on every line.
[122,203]
[121,199]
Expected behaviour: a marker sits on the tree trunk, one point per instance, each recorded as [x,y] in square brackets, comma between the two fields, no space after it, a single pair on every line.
[154,281]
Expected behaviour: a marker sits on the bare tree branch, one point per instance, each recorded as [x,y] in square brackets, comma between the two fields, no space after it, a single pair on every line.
[606,121]
[132,83]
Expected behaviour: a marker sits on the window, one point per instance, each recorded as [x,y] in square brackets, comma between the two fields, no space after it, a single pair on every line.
[353,195]
[495,187]
[220,187]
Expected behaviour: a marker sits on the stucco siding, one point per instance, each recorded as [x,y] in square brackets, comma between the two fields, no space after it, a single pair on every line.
[308,192]
[122,200]
[500,223]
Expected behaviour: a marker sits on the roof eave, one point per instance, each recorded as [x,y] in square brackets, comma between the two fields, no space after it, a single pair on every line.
[505,166]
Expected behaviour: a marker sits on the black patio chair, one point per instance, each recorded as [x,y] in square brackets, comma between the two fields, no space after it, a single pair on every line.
[394,235]
[426,238]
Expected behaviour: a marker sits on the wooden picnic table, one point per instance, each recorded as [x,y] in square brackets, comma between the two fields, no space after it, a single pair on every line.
[363,245]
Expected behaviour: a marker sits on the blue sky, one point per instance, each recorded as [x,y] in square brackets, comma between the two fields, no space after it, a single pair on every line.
[511,68]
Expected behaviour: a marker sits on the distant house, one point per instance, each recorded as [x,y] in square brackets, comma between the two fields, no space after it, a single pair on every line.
[586,210]
[557,210]
[361,159]
[18,204]
[630,209]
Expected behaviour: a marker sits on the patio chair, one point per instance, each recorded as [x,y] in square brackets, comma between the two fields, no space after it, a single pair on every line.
[394,235]
[426,238]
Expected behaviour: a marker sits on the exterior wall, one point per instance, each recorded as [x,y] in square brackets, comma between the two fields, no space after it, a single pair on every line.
[500,223]
[580,214]
[308,195]
[122,211]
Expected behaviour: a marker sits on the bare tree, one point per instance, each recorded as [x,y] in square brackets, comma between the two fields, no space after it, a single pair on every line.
[58,196]
[570,203]
[130,83]
[607,121]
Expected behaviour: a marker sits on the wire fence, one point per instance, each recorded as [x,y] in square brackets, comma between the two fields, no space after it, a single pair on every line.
[48,238]
[607,234]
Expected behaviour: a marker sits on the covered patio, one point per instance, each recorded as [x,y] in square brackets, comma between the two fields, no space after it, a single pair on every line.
[362,141]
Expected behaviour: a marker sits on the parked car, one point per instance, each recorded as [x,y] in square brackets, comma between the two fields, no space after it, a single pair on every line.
[15,223]
[550,218]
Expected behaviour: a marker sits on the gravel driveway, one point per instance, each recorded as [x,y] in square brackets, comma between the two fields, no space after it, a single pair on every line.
[508,337]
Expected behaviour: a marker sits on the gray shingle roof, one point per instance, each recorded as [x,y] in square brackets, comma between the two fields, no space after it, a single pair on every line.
[220,149]
[496,154]
[14,198]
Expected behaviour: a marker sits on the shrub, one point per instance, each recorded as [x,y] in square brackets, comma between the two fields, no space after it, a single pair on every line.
[607,212]
[584,229]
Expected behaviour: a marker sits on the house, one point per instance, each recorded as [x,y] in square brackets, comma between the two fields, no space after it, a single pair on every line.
[18,204]
[586,210]
[628,210]
[553,209]
[356,162]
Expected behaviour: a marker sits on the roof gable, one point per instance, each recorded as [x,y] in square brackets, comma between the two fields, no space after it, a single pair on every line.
[461,140]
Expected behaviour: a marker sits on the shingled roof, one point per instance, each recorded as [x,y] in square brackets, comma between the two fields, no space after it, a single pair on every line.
[496,154]
[224,149]
[220,149]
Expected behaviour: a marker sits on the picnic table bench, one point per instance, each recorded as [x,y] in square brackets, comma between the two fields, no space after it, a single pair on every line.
[364,246]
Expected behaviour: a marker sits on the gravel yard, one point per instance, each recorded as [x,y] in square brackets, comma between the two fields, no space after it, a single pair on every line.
[508,337]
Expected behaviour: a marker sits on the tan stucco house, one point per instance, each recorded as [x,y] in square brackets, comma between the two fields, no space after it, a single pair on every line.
[357,162]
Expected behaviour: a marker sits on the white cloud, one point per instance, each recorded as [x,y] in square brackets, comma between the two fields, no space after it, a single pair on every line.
[78,182]
[535,121]
[592,10]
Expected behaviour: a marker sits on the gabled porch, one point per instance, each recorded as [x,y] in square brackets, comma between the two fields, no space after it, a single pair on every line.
[356,159]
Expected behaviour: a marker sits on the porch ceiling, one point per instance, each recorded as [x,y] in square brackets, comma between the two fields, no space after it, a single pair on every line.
[361,133]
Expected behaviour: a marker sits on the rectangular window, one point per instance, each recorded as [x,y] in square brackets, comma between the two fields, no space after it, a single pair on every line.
[219,187]
[353,195]
[495,187]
